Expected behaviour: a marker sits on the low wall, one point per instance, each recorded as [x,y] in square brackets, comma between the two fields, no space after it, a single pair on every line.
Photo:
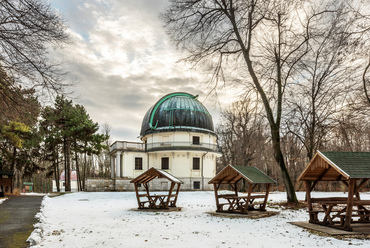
[121,184]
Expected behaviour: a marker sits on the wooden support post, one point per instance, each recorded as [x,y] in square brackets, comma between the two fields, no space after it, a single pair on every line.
[236,189]
[250,189]
[357,194]
[216,196]
[351,192]
[146,186]
[169,194]
[137,194]
[266,196]
[359,187]
[177,193]
[309,202]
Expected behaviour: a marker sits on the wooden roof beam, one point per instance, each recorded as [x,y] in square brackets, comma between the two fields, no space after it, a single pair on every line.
[362,184]
[146,179]
[236,179]
[139,178]
[319,178]
[344,182]
[222,180]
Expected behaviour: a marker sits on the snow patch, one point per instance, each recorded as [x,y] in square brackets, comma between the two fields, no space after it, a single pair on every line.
[35,194]
[36,236]
[2,200]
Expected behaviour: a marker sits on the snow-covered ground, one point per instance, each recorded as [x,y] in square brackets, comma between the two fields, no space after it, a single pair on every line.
[2,200]
[107,220]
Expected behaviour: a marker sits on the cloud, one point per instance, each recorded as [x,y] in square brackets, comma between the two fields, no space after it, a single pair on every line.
[122,61]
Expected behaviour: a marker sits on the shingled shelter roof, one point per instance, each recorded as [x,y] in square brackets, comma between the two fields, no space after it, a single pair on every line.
[232,174]
[153,173]
[333,166]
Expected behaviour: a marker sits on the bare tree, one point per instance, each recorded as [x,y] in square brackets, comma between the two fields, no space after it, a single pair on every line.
[266,39]
[366,82]
[240,133]
[294,155]
[351,133]
[28,30]
[327,77]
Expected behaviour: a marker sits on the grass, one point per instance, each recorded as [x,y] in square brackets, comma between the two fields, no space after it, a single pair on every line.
[288,205]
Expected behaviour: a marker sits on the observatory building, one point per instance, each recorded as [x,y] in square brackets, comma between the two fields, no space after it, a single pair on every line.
[177,135]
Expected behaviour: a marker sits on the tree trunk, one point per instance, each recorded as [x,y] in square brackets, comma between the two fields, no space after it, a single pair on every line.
[56,170]
[67,164]
[367,95]
[13,169]
[13,159]
[84,169]
[78,169]
[279,158]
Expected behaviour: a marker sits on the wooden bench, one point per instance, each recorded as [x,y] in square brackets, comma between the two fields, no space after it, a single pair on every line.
[314,214]
[239,204]
[336,207]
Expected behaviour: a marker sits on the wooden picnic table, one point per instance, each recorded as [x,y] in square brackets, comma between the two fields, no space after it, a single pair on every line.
[336,207]
[240,204]
[157,201]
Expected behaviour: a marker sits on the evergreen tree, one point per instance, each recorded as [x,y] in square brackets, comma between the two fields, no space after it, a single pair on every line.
[71,126]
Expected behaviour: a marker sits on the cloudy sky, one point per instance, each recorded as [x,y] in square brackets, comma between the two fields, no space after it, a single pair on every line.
[123,62]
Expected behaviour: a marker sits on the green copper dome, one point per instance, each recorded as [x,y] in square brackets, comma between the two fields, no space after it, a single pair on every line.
[177,112]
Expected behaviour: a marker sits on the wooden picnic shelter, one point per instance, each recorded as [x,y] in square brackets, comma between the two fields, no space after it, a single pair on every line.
[235,203]
[148,200]
[6,180]
[350,168]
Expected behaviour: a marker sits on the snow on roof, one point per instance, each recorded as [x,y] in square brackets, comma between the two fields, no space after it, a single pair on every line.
[169,176]
[153,173]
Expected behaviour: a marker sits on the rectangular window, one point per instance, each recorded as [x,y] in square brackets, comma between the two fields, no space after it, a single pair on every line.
[165,163]
[138,163]
[196,185]
[196,163]
[196,140]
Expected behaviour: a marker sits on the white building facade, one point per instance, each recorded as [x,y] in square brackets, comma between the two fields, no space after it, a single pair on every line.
[62,180]
[177,136]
